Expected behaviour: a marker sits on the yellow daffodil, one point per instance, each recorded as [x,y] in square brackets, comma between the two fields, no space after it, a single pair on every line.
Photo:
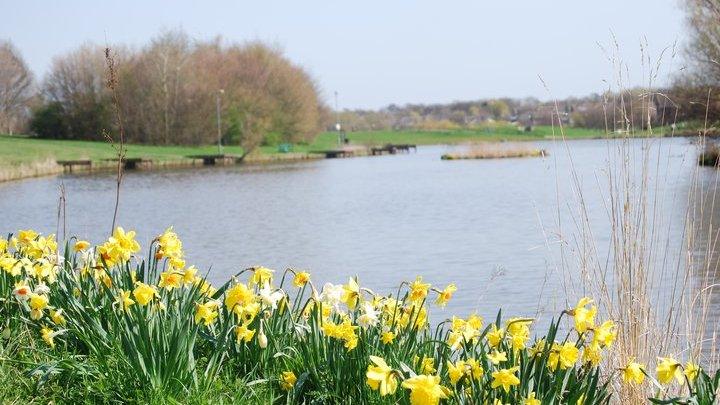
[518,330]
[238,295]
[287,380]
[123,300]
[169,245]
[425,390]
[10,265]
[505,378]
[189,275]
[426,365]
[496,357]
[48,336]
[387,337]
[170,280]
[243,333]
[456,371]
[56,315]
[445,295]
[584,317]
[144,293]
[633,373]
[206,312]
[568,355]
[538,348]
[380,377]
[351,293]
[418,290]
[495,336]
[667,369]
[476,369]
[531,400]
[301,278]
[691,371]
[37,302]
[26,236]
[592,354]
[605,334]
[81,245]
[119,247]
[261,275]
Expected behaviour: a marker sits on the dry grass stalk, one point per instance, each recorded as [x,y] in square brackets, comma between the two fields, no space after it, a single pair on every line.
[656,287]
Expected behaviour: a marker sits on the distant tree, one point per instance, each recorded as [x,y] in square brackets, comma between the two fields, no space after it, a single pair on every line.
[169,89]
[76,88]
[16,89]
[48,121]
[703,47]
[695,92]
[499,109]
[154,87]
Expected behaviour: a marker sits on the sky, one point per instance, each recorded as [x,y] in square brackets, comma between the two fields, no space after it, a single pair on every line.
[378,52]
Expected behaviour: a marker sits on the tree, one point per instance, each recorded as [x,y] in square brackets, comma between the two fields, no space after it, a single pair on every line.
[168,92]
[16,89]
[76,84]
[703,49]
[499,109]
[154,90]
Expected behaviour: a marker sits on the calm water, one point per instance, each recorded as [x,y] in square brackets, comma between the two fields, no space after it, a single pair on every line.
[494,227]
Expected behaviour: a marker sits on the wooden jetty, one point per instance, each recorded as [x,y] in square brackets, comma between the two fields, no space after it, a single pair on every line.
[336,153]
[212,160]
[343,152]
[134,163]
[68,165]
[392,149]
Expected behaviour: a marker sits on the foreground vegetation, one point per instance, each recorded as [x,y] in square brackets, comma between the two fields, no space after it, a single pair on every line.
[97,324]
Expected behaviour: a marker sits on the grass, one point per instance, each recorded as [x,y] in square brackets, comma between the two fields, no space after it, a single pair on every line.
[23,156]
[22,149]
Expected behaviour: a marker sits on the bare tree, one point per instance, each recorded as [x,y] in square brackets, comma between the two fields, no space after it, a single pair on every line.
[76,83]
[16,89]
[703,50]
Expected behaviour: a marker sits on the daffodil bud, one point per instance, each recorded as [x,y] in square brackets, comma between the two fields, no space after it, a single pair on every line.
[262,339]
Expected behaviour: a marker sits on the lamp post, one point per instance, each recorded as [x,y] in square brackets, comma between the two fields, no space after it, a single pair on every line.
[337,119]
[219,125]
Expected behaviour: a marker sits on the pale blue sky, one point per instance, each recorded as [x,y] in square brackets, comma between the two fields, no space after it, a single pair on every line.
[379,52]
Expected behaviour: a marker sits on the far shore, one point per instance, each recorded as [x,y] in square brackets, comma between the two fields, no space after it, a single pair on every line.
[25,157]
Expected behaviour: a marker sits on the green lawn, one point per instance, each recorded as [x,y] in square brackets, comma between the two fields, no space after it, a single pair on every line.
[21,149]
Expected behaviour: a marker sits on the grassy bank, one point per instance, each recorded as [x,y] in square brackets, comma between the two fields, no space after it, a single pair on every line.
[22,156]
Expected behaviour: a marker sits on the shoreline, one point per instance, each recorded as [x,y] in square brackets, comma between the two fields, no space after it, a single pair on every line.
[50,167]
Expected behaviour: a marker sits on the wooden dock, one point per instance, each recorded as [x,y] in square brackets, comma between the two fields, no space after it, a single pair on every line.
[335,153]
[343,152]
[212,160]
[68,165]
[134,163]
[392,149]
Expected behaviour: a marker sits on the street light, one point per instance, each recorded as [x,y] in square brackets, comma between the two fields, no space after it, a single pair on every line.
[337,119]
[219,125]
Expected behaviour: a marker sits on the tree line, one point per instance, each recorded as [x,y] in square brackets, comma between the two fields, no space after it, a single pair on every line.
[168,93]
[169,88]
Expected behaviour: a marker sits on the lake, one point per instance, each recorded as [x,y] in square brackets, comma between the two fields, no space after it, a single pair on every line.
[494,227]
